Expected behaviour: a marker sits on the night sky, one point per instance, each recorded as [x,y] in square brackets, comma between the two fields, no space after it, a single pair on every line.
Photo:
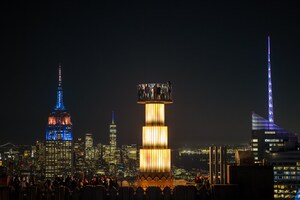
[214,53]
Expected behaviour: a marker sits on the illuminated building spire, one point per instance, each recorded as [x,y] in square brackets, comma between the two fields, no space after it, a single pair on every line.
[271,114]
[59,100]
[112,117]
[59,75]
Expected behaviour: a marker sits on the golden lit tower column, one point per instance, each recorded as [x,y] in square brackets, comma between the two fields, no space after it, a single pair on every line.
[155,156]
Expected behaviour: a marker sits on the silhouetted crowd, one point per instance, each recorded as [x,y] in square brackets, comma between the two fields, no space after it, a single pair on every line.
[202,183]
[83,188]
[18,184]
[155,91]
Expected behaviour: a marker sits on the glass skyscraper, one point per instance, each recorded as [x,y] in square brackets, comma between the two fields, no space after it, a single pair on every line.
[112,141]
[267,138]
[275,146]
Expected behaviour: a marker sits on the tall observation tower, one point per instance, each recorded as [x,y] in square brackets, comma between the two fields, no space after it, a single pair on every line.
[155,156]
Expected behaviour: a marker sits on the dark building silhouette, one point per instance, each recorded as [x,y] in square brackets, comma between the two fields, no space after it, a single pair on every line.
[253,181]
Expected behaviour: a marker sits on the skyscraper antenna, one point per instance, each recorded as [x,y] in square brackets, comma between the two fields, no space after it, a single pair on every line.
[112,117]
[59,75]
[59,100]
[270,95]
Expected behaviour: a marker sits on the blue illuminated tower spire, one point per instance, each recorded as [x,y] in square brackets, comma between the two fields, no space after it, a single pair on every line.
[59,100]
[112,117]
[271,114]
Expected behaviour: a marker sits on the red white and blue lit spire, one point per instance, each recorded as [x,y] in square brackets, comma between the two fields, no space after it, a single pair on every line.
[270,95]
[59,100]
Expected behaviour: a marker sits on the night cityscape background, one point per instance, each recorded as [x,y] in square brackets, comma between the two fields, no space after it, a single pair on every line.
[159,95]
[214,53]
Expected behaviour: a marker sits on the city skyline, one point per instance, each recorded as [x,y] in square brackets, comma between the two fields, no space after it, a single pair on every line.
[215,55]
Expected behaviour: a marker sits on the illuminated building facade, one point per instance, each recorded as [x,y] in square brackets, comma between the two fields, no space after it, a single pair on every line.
[129,160]
[39,158]
[155,156]
[79,156]
[9,158]
[130,151]
[266,136]
[89,149]
[106,153]
[58,153]
[89,140]
[276,146]
[112,141]
[286,168]
[113,152]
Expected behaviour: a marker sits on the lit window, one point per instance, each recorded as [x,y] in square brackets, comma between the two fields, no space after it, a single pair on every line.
[270,132]
[271,140]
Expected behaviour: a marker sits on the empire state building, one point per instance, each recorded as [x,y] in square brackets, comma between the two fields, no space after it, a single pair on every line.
[58,154]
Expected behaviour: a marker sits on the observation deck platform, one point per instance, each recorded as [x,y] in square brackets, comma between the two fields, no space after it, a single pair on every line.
[154,93]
